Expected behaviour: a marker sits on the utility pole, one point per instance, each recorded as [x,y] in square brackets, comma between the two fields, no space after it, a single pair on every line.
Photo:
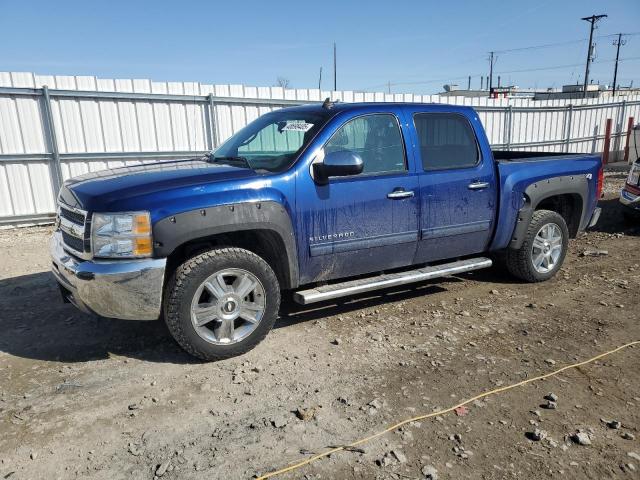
[618,43]
[320,80]
[593,19]
[469,83]
[389,86]
[335,71]
[490,83]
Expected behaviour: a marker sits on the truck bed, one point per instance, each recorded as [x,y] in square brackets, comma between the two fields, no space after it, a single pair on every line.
[519,170]
[521,156]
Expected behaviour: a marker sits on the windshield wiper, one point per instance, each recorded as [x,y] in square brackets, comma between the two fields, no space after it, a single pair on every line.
[230,160]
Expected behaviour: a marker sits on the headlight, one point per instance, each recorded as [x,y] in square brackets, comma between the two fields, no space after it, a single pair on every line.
[121,235]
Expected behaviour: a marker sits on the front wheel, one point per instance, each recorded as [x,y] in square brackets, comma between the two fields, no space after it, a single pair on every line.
[543,250]
[221,303]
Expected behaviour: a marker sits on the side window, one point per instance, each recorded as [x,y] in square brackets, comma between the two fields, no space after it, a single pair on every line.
[376,138]
[446,141]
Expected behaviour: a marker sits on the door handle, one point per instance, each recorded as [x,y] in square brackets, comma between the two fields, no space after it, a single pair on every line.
[400,194]
[478,185]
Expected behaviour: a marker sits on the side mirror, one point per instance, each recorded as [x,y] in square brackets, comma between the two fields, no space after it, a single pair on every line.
[338,164]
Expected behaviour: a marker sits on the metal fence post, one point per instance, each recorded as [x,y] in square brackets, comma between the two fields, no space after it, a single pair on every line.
[628,138]
[207,126]
[567,127]
[619,127]
[50,133]
[213,128]
[509,123]
[607,142]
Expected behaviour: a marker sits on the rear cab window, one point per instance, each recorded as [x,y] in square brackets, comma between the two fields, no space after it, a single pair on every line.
[446,141]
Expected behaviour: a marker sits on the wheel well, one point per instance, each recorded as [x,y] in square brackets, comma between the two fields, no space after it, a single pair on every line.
[267,244]
[569,206]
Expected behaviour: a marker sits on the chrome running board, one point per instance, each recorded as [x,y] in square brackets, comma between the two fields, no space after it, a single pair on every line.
[353,287]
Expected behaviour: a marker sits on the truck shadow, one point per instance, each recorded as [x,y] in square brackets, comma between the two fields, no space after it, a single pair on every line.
[292,312]
[613,221]
[36,324]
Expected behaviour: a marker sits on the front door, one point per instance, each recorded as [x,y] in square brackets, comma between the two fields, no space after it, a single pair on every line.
[362,223]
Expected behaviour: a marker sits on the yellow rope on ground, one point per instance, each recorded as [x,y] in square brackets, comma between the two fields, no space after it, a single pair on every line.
[442,412]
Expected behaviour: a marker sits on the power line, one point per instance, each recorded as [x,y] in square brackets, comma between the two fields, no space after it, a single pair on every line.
[559,44]
[547,45]
[630,34]
[555,67]
[536,69]
[420,82]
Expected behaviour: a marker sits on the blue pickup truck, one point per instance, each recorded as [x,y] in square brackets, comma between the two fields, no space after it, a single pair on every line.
[327,200]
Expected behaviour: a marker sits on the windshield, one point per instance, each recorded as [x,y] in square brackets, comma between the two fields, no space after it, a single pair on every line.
[273,141]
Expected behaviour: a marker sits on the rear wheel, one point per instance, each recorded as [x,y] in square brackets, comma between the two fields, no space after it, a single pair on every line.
[221,303]
[543,250]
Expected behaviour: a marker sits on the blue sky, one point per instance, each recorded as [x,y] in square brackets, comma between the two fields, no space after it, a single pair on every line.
[416,45]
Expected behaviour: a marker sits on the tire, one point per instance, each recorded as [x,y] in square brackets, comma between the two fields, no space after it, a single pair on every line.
[520,262]
[221,335]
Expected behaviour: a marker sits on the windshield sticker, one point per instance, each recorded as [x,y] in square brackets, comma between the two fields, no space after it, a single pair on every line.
[297,126]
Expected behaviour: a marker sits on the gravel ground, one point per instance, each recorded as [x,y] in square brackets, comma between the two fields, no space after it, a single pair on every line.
[104,399]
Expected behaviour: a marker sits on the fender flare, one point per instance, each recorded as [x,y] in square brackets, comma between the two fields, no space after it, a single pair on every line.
[543,189]
[173,231]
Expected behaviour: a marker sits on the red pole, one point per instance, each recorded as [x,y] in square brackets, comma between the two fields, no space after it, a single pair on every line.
[626,145]
[607,142]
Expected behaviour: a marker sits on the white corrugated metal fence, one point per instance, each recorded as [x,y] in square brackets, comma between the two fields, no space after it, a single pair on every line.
[56,127]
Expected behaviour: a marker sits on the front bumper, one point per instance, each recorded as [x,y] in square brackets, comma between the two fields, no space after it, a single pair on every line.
[126,289]
[629,199]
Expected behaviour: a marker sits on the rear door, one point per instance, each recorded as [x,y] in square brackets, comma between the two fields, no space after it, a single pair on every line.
[361,223]
[457,186]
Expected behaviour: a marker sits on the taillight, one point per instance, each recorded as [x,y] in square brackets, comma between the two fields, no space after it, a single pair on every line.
[600,183]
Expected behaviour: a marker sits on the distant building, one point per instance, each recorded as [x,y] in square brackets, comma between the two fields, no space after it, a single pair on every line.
[513,91]
[622,92]
[496,92]
[464,93]
[570,91]
[593,91]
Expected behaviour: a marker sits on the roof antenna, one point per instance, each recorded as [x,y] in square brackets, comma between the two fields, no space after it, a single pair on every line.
[328,104]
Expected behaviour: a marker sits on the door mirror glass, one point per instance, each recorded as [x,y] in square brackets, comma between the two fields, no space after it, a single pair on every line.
[338,164]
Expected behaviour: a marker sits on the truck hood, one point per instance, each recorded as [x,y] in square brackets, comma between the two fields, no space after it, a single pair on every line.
[97,191]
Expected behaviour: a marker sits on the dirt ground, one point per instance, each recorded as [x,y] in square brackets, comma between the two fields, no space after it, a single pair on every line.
[82,397]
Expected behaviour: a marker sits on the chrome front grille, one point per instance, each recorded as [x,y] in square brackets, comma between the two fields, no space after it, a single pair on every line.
[74,243]
[74,226]
[73,216]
